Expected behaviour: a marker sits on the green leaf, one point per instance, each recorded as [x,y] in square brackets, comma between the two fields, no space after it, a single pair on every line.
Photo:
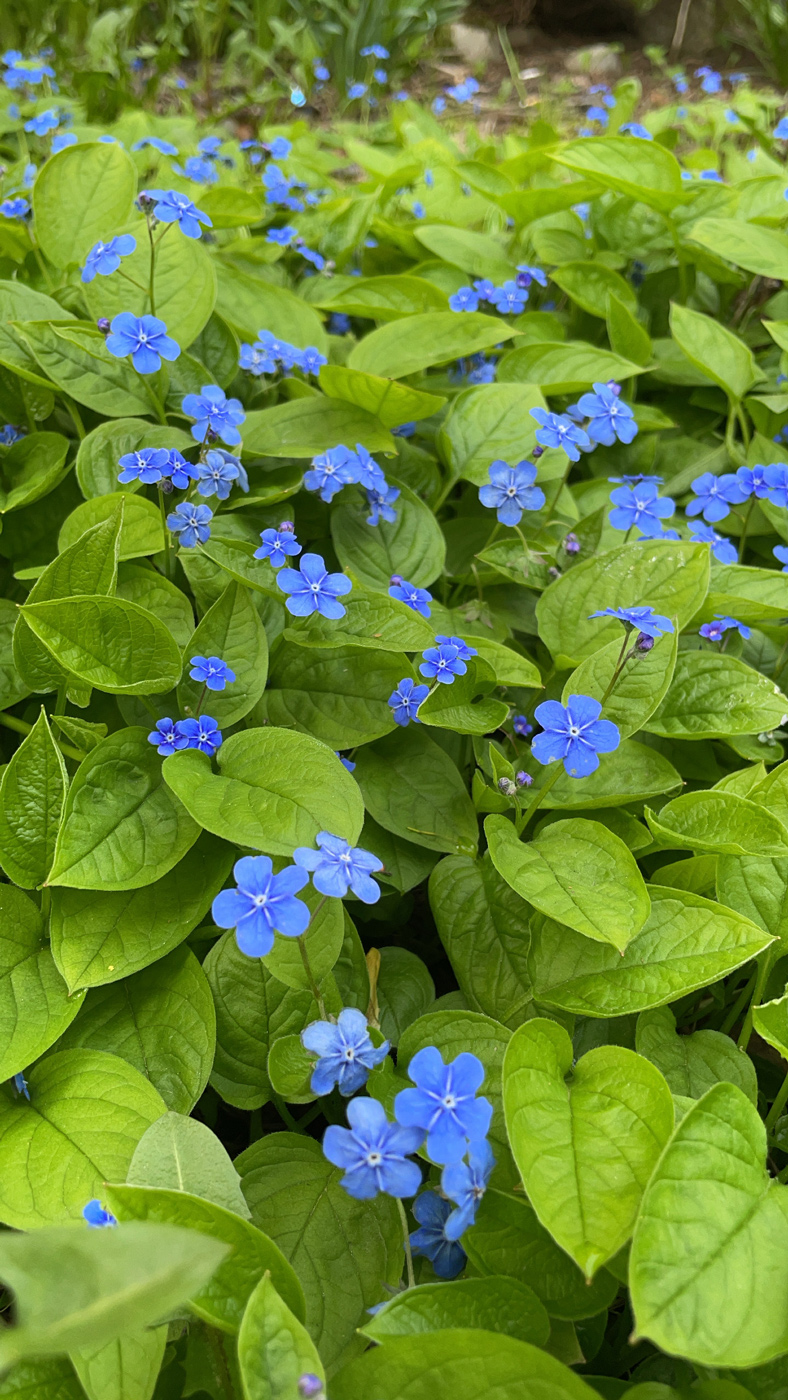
[78,1288]
[484,927]
[721,822]
[412,789]
[100,452]
[182,1154]
[770,1020]
[672,578]
[371,620]
[487,422]
[32,793]
[413,546]
[458,1364]
[750,595]
[643,169]
[414,343]
[87,1112]
[507,1238]
[122,826]
[236,557]
[392,403]
[692,1063]
[715,350]
[18,302]
[107,643]
[479,254]
[31,469]
[339,696]
[640,688]
[687,942]
[42,1380]
[228,207]
[222,1300]
[127,1366]
[147,588]
[275,790]
[274,1348]
[526,205]
[589,284]
[232,630]
[712,1182]
[248,303]
[496,1304]
[12,685]
[73,355]
[104,935]
[323,942]
[141,531]
[760,250]
[626,334]
[35,1007]
[714,696]
[567,368]
[387,298]
[466,706]
[577,872]
[81,195]
[185,284]
[161,1020]
[405,989]
[344,1251]
[302,428]
[585,1149]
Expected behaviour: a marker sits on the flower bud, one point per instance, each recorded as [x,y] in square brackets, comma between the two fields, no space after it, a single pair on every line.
[396,580]
[286,528]
[103,325]
[572,544]
[644,643]
[537,452]
[310,1386]
[523,779]
[614,387]
[554,572]
[144,201]
[507,787]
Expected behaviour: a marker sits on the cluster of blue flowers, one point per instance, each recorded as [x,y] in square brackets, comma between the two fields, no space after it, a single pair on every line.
[200,731]
[441,664]
[288,237]
[269,354]
[509,300]
[473,369]
[20,72]
[341,466]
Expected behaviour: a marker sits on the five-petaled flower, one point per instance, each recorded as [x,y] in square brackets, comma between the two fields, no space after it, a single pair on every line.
[97,1216]
[446,1256]
[608,417]
[521,726]
[192,522]
[722,549]
[277,545]
[262,904]
[337,867]
[373,1152]
[203,734]
[346,1052]
[509,299]
[714,495]
[511,490]
[416,598]
[214,413]
[145,338]
[147,464]
[381,504]
[405,701]
[464,299]
[172,207]
[442,663]
[753,481]
[16,207]
[642,619]
[714,631]
[464,651]
[331,470]
[444,1103]
[465,1183]
[211,671]
[313,589]
[574,734]
[104,258]
[558,430]
[216,475]
[639,506]
[167,737]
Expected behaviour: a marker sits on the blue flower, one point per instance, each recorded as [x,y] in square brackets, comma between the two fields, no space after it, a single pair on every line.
[345,761]
[639,506]
[320,71]
[465,1183]
[484,288]
[752,481]
[279,147]
[527,274]
[642,619]
[192,522]
[313,589]
[405,430]
[356,90]
[210,146]
[776,478]
[368,473]
[609,417]
[442,663]
[331,470]
[217,473]
[419,212]
[145,338]
[511,491]
[444,1103]
[574,734]
[374,51]
[167,737]
[172,207]
[780,552]
[521,726]
[148,465]
[277,545]
[312,360]
[597,114]
[62,140]
[446,1256]
[714,496]
[211,671]
[781,130]
[104,258]
[346,1052]
[464,91]
[20,1086]
[374,1152]
[466,299]
[510,299]
[483,371]
[636,479]
[558,430]
[405,701]
[722,549]
[43,123]
[338,867]
[261,904]
[339,323]
[256,359]
[463,650]
[712,81]
[714,631]
[17,208]
[680,83]
[97,1215]
[381,504]
[215,413]
[165,148]
[282,236]
[637,129]
[203,734]
[198,169]
[180,472]
[416,598]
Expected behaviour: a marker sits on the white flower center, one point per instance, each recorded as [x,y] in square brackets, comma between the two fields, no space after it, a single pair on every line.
[260,900]
[374,1159]
[449,1101]
[574,730]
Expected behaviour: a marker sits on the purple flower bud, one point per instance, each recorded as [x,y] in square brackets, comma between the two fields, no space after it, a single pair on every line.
[644,642]
[310,1385]
[211,435]
[554,572]
[145,201]
[287,527]
[614,387]
[523,779]
[506,786]
[103,325]
[572,544]
[537,452]
[396,580]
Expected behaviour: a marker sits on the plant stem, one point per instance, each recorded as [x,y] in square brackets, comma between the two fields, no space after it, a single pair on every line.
[60,702]
[152,272]
[522,821]
[778,1105]
[738,1006]
[168,559]
[621,662]
[316,993]
[156,404]
[76,418]
[216,1343]
[557,496]
[764,963]
[133,281]
[199,702]
[406,1240]
[744,528]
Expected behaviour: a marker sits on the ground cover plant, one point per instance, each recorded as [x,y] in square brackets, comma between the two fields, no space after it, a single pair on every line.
[394,817]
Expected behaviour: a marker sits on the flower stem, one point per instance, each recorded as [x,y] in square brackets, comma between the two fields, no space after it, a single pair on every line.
[778,1105]
[406,1240]
[316,993]
[522,821]
[199,702]
[76,418]
[744,528]
[764,963]
[152,272]
[168,559]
